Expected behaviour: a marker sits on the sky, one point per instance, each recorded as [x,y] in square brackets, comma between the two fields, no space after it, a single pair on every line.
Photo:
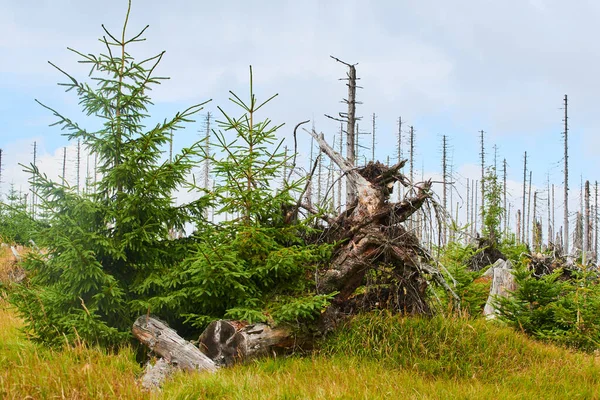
[446,68]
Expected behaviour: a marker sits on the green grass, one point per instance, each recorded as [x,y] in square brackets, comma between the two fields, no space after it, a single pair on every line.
[374,356]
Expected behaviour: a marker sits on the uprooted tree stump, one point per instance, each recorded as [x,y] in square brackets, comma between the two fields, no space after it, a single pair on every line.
[486,254]
[372,237]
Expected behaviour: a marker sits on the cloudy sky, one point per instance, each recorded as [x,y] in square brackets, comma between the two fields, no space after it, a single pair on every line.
[447,68]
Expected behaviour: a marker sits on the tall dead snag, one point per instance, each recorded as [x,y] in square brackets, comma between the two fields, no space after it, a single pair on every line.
[578,234]
[529,208]
[587,230]
[505,210]
[566,182]
[373,143]
[444,191]
[482,154]
[64,166]
[371,236]
[399,158]
[518,224]
[596,221]
[524,198]
[350,119]
[549,217]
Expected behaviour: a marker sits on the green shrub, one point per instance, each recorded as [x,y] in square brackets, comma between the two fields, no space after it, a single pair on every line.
[562,311]
[472,291]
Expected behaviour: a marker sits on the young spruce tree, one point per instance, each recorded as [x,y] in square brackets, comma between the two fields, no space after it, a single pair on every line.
[107,251]
[256,267]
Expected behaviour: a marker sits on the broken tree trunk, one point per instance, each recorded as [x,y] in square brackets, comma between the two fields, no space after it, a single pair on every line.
[503,283]
[228,342]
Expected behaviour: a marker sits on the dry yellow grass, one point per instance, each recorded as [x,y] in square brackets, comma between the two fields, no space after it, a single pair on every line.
[31,371]
[515,368]
[7,264]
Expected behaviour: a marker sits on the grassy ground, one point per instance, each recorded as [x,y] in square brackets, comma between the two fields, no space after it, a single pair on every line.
[377,356]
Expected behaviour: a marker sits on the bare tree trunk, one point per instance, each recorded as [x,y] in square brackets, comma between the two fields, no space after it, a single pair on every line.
[206,167]
[78,165]
[95,170]
[506,214]
[350,119]
[339,203]
[482,179]
[33,193]
[468,210]
[373,144]
[64,165]
[578,237]
[566,181]
[537,230]
[319,180]
[524,197]
[475,212]
[444,180]
[350,189]
[412,166]
[596,221]
[519,222]
[399,194]
[587,228]
[529,208]
[549,216]
[554,220]
[452,211]
[309,191]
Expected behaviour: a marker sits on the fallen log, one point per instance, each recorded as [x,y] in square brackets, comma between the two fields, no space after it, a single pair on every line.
[228,342]
[222,344]
[174,350]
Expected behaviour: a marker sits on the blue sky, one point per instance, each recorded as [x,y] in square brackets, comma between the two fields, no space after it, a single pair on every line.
[450,68]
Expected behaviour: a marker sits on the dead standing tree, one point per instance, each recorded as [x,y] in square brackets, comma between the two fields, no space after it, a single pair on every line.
[350,119]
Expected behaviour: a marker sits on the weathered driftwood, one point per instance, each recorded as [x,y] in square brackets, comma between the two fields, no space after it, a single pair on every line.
[172,348]
[228,342]
[503,282]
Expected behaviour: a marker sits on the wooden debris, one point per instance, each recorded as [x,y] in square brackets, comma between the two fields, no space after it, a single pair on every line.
[503,283]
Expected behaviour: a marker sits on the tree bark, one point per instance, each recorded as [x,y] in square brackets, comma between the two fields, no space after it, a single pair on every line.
[166,343]
[228,342]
